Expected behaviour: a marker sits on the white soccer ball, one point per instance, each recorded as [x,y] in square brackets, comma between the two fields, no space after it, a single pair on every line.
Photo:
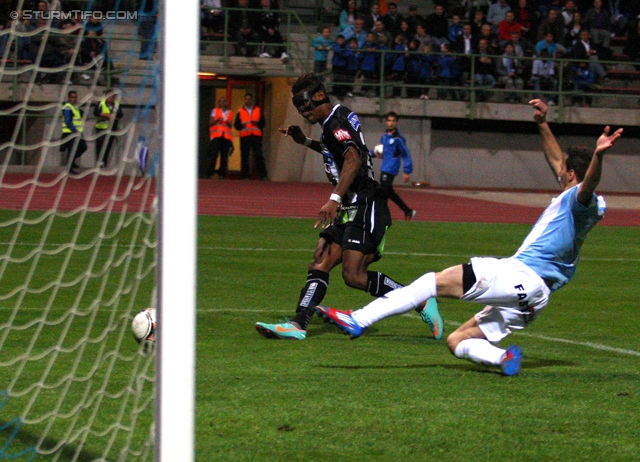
[378,150]
[144,325]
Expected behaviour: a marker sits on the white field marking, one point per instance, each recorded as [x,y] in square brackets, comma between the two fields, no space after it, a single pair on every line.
[309,250]
[596,346]
[404,254]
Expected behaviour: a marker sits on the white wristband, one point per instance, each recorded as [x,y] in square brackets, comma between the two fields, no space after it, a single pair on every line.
[307,142]
[336,198]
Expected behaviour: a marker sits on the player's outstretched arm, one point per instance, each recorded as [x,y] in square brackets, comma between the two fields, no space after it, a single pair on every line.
[594,172]
[550,146]
[295,132]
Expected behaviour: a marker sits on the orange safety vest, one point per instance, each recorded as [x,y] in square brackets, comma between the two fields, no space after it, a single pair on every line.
[221,129]
[253,119]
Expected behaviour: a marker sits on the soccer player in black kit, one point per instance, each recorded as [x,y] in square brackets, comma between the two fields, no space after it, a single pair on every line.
[354,219]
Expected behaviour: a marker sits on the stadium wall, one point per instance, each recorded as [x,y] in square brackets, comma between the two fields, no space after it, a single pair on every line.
[450,158]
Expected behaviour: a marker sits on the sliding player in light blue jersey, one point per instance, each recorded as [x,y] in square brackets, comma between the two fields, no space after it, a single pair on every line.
[515,290]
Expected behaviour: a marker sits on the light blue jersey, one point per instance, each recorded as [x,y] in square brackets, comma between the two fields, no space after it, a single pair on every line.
[552,248]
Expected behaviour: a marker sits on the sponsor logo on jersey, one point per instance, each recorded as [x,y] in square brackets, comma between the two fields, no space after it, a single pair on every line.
[341,134]
[354,121]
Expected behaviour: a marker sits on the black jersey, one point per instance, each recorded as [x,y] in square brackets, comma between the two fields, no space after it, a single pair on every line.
[340,131]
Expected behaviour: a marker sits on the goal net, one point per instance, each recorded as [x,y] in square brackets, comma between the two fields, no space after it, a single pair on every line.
[79,245]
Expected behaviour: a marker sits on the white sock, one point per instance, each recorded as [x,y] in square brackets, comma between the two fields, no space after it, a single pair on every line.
[398,301]
[479,351]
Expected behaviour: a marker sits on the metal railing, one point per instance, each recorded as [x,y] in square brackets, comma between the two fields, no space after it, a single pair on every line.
[467,89]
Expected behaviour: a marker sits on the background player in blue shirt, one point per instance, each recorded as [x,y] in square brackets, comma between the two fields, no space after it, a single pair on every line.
[515,290]
[394,151]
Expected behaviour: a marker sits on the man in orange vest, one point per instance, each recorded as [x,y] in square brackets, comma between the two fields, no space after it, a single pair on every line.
[250,122]
[221,139]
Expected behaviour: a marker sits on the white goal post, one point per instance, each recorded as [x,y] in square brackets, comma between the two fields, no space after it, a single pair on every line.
[178,233]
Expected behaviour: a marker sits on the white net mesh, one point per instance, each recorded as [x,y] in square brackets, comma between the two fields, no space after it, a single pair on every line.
[77,250]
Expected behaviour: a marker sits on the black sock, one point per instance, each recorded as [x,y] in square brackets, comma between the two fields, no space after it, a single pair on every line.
[310,296]
[379,284]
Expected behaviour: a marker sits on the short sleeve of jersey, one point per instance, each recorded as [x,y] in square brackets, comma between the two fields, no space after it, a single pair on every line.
[586,216]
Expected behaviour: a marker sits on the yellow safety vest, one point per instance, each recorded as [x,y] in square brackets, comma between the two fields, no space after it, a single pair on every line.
[76,119]
[103,122]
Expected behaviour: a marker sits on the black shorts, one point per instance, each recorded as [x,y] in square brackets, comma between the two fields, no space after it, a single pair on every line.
[361,227]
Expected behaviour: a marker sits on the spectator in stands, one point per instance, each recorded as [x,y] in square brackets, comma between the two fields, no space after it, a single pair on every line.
[509,71]
[521,46]
[587,50]
[268,20]
[322,44]
[525,15]
[429,61]
[468,8]
[497,13]
[371,17]
[398,65]
[405,31]
[243,28]
[448,74]
[73,143]
[553,24]
[381,33]
[583,78]
[413,64]
[94,24]
[339,66]
[487,33]
[567,13]
[392,19]
[437,26]
[548,44]
[22,43]
[479,20]
[212,16]
[52,55]
[370,65]
[356,31]
[543,75]
[598,22]
[465,44]
[347,17]
[422,36]
[413,19]
[618,12]
[148,28]
[573,31]
[92,50]
[484,76]
[353,65]
[506,27]
[455,29]
[108,114]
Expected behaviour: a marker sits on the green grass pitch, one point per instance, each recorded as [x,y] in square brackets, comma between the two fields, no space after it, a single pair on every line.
[395,394]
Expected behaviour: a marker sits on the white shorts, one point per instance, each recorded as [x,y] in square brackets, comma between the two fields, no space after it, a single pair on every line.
[513,292]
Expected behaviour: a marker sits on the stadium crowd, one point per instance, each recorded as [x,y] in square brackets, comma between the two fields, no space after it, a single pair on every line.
[508,44]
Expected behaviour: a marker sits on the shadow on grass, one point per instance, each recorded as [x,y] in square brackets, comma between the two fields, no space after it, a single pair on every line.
[468,367]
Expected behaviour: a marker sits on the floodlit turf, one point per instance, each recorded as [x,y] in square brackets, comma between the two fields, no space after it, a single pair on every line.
[395,394]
